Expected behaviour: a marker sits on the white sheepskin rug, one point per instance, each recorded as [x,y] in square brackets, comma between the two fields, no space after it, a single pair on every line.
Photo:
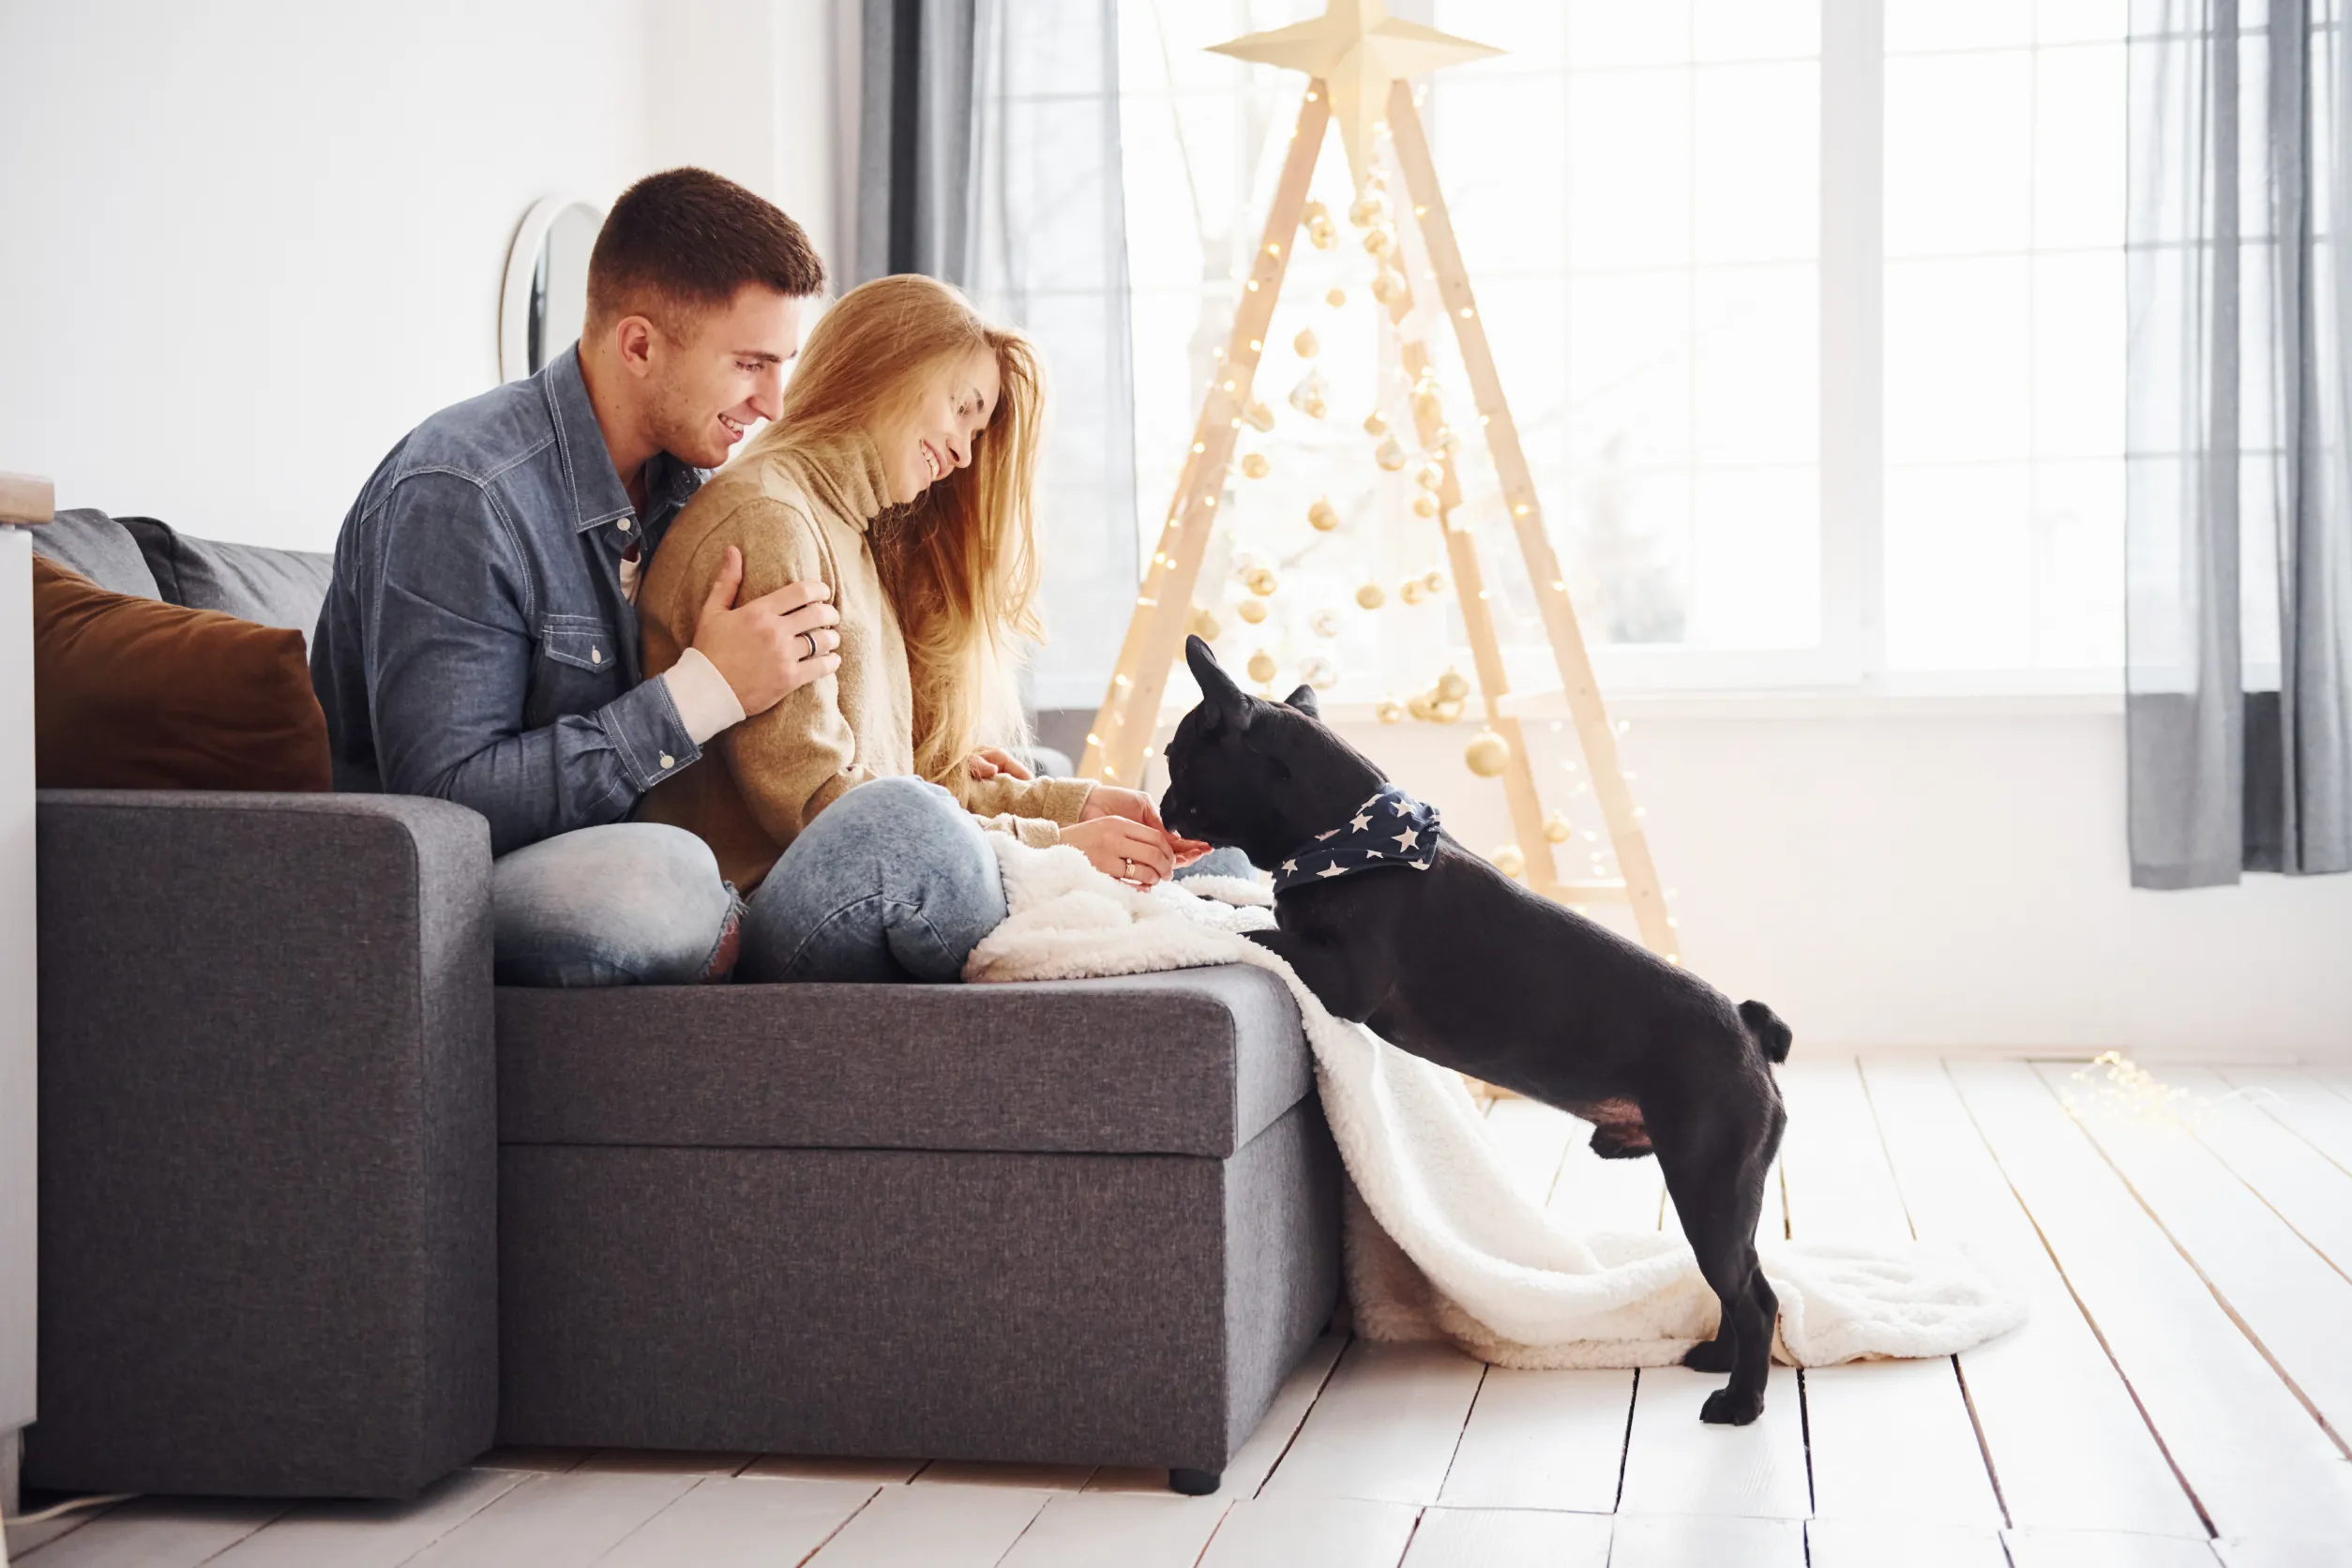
[1440,1243]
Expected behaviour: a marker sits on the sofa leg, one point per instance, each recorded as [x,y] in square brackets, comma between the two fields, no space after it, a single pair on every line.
[1194,1482]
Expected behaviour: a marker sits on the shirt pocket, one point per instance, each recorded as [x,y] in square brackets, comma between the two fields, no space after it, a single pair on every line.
[577,670]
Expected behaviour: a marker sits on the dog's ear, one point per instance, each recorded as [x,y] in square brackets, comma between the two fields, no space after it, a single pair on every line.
[1304,699]
[1216,685]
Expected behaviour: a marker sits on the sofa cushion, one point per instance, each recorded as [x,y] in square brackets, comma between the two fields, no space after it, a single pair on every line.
[274,587]
[100,549]
[131,693]
[1195,1062]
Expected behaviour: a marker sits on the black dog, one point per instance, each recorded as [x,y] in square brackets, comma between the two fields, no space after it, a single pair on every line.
[1462,966]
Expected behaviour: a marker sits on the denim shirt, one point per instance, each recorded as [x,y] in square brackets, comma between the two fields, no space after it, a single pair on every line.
[475,643]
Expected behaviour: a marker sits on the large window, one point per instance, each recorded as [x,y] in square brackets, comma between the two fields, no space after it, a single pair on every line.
[1810,312]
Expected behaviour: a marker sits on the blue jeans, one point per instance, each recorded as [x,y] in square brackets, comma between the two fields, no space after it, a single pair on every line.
[892,881]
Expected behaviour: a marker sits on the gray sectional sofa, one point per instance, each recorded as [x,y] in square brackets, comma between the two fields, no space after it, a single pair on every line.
[323,1212]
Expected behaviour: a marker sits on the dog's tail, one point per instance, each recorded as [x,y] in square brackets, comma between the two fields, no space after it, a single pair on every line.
[1770,1035]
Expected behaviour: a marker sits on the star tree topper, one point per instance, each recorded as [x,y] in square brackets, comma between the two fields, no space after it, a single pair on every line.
[1357,49]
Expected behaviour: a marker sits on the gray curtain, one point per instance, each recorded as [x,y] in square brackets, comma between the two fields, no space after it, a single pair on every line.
[989,154]
[914,139]
[2239,508]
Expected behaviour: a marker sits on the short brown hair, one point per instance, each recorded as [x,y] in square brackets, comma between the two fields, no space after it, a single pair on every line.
[688,239]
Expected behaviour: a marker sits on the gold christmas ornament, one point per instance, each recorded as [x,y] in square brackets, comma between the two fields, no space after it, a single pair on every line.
[1487,754]
[1205,625]
[1451,686]
[1367,209]
[1430,477]
[1380,242]
[1375,423]
[1259,416]
[1423,706]
[1413,592]
[1319,672]
[1555,829]
[1324,623]
[1434,581]
[1389,287]
[1427,406]
[1389,711]
[1261,666]
[1254,466]
[1447,710]
[1509,861]
[1424,505]
[1371,595]
[1260,581]
[1306,345]
[1321,233]
[1337,298]
[1322,516]
[1308,397]
[1252,611]
[1389,455]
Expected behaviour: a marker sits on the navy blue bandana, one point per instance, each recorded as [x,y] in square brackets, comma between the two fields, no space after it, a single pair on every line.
[1390,829]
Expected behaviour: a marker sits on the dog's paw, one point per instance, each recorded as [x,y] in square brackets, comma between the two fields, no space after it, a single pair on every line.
[1712,1355]
[1725,1408]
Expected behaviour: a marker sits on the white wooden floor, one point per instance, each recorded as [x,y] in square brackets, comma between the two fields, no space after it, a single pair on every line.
[2181,1395]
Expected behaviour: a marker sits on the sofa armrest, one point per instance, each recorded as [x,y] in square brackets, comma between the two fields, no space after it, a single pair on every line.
[269,1143]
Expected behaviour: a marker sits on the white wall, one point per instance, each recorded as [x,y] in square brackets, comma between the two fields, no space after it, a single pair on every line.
[244,246]
[1951,878]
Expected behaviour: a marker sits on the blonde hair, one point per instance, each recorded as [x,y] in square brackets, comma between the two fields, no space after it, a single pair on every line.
[960,563]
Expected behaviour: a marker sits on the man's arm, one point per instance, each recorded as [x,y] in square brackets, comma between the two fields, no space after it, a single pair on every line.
[449,660]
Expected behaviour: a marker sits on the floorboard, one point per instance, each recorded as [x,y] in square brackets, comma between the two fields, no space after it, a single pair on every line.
[2069,1448]
[1670,1540]
[1542,1439]
[1497,1538]
[1589,1193]
[1385,1429]
[1530,1139]
[369,1534]
[1867,1543]
[555,1521]
[2251,1452]
[2309,1109]
[2306,1189]
[1311,1532]
[2104,1548]
[939,1527]
[742,1522]
[1085,1530]
[157,1532]
[1675,1463]
[1840,1188]
[2289,1298]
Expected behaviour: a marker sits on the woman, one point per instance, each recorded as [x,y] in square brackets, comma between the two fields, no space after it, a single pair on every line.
[901,471]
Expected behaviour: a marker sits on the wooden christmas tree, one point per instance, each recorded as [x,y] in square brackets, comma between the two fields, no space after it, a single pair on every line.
[1358,60]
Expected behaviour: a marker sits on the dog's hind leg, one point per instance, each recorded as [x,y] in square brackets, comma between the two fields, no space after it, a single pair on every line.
[1717,1183]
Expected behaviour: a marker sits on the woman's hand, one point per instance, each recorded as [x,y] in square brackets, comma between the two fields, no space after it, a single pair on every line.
[1109,801]
[989,760]
[1122,848]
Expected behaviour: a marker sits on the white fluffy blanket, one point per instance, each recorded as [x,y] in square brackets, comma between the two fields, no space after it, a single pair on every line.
[1440,1242]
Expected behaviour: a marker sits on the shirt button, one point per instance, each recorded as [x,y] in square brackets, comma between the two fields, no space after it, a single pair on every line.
[668,761]
[596,656]
[622,526]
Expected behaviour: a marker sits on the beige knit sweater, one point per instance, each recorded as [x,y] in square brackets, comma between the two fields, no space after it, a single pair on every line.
[761,782]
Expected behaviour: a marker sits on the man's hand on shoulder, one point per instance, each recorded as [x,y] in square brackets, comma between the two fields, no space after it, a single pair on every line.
[759,645]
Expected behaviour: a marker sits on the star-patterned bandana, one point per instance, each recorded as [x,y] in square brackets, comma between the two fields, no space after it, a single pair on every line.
[1390,829]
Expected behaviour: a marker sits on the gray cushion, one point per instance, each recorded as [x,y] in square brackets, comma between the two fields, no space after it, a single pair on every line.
[90,542]
[274,587]
[1197,1061]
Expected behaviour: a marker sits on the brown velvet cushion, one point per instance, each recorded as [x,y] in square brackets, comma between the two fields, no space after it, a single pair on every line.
[136,694]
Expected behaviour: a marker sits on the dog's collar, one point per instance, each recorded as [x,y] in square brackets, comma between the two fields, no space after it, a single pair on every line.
[1390,829]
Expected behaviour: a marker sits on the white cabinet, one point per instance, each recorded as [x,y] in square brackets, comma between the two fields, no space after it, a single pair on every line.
[17,960]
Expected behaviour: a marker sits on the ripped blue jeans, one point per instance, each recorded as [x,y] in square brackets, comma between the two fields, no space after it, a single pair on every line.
[893,882]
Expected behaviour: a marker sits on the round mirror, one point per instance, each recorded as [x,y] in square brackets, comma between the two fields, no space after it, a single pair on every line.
[546,296]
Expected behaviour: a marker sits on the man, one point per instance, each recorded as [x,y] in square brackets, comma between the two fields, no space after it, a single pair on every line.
[480,641]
